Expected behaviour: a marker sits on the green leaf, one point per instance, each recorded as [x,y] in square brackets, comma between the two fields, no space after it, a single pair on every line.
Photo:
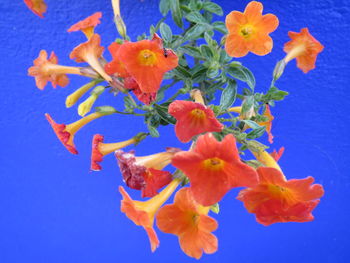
[152,131]
[243,74]
[176,12]
[166,32]
[206,51]
[213,8]
[196,17]
[163,114]
[228,96]
[105,109]
[251,124]
[212,72]
[181,72]
[275,94]
[256,133]
[192,51]
[220,26]
[248,103]
[128,104]
[195,32]
[164,6]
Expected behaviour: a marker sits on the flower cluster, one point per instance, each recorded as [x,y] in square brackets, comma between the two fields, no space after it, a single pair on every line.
[219,134]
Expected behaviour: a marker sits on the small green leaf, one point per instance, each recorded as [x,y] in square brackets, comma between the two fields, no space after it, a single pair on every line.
[206,51]
[256,133]
[212,72]
[128,104]
[163,113]
[152,131]
[220,26]
[195,32]
[166,32]
[251,124]
[213,8]
[196,17]
[164,7]
[215,208]
[228,96]
[192,51]
[248,103]
[176,12]
[243,74]
[181,72]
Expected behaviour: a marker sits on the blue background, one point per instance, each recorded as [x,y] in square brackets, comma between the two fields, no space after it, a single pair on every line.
[54,210]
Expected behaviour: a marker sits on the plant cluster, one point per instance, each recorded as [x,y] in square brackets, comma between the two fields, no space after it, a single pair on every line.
[210,99]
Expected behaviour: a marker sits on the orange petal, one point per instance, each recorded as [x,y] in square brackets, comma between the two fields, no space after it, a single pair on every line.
[253,11]
[234,20]
[269,23]
[236,45]
[38,7]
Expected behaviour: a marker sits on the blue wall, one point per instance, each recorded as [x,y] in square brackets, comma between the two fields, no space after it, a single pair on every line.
[54,210]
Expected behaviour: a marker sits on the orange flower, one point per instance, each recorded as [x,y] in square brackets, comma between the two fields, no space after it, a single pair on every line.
[268,123]
[100,149]
[249,31]
[193,119]
[147,61]
[190,222]
[277,155]
[142,213]
[90,52]
[117,68]
[144,173]
[65,133]
[304,47]
[214,168]
[45,70]
[38,7]
[275,199]
[87,25]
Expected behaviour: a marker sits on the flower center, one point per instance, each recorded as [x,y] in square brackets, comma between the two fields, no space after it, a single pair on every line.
[214,164]
[198,114]
[147,57]
[281,192]
[246,31]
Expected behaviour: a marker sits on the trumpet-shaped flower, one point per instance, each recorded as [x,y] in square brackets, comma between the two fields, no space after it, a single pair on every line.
[90,52]
[87,25]
[144,173]
[189,221]
[214,168]
[143,213]
[38,7]
[147,61]
[100,149]
[268,123]
[46,69]
[275,199]
[192,119]
[65,133]
[304,48]
[249,31]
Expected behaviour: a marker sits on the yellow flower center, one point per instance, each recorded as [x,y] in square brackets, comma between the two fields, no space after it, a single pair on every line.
[147,57]
[198,114]
[280,192]
[247,31]
[214,164]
